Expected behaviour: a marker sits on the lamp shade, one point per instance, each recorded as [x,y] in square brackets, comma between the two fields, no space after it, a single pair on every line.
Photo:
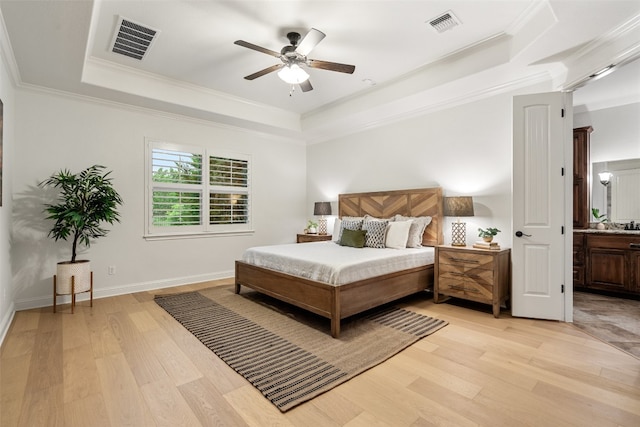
[458,206]
[605,177]
[322,208]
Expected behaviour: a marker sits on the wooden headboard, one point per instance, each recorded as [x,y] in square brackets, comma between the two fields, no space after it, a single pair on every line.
[385,204]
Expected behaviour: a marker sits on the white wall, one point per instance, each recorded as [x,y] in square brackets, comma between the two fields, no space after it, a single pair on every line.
[54,132]
[7,290]
[466,150]
[616,132]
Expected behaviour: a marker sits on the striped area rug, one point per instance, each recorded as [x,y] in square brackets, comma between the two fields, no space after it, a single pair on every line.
[286,353]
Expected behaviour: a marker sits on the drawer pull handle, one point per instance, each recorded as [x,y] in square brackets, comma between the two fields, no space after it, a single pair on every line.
[634,245]
[462,288]
[470,261]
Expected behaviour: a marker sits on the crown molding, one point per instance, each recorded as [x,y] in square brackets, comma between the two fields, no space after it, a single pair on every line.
[367,122]
[211,122]
[617,47]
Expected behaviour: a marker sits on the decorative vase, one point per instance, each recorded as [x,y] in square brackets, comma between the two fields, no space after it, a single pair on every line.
[312,230]
[600,226]
[487,239]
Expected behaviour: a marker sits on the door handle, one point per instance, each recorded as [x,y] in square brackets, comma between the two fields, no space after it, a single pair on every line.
[520,234]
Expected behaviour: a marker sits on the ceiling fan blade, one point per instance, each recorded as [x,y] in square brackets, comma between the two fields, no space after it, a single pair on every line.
[331,66]
[306,86]
[258,48]
[263,72]
[310,41]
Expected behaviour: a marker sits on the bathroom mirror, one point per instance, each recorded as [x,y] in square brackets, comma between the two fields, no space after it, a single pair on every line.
[620,197]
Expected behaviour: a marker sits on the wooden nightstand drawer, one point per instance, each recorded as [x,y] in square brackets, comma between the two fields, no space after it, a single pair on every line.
[474,274]
[464,288]
[467,260]
[306,238]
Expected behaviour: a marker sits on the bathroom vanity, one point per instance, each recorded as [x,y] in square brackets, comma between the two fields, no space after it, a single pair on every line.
[607,260]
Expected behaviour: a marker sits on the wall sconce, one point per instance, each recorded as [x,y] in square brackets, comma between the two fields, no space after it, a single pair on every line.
[322,209]
[605,177]
[458,206]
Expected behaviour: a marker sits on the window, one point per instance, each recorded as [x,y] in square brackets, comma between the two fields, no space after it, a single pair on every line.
[191,190]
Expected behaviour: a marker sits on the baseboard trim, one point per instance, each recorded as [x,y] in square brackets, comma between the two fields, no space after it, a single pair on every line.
[6,322]
[46,301]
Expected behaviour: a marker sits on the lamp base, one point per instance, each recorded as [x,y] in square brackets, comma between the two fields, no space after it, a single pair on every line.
[458,234]
[322,226]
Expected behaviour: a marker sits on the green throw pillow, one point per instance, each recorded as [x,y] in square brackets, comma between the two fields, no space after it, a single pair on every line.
[353,238]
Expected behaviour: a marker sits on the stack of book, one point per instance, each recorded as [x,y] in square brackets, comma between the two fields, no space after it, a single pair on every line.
[481,244]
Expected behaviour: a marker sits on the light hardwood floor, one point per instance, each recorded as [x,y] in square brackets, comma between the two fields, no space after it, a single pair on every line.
[126,362]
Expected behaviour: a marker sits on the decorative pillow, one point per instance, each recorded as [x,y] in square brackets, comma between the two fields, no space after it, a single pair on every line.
[398,234]
[375,229]
[350,223]
[373,218]
[353,238]
[416,231]
[337,225]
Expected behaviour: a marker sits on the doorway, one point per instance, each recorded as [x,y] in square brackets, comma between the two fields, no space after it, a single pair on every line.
[604,104]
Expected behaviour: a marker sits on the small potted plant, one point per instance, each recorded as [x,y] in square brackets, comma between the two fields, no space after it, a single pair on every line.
[312,227]
[601,218]
[85,201]
[487,235]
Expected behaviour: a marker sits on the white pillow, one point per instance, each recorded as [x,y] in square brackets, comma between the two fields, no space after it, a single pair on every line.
[337,225]
[398,234]
[420,223]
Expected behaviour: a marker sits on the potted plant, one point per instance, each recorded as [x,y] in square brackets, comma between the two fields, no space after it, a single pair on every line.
[601,218]
[85,201]
[312,227]
[487,235]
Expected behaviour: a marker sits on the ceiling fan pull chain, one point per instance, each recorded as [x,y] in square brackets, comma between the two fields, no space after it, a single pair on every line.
[293,88]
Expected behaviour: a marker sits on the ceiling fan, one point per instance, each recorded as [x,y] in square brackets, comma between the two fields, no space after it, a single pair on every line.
[293,56]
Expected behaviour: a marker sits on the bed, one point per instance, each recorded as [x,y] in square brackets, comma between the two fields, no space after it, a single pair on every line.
[339,301]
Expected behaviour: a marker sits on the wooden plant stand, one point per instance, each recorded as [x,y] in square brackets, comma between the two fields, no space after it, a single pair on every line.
[73,293]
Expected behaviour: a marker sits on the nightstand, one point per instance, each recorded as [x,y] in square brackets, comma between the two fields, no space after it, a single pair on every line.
[304,238]
[480,275]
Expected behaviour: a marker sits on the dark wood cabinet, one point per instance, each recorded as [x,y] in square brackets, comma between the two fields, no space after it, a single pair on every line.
[612,263]
[579,256]
[581,177]
[635,266]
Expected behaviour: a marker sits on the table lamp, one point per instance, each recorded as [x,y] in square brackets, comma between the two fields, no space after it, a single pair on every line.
[458,206]
[322,209]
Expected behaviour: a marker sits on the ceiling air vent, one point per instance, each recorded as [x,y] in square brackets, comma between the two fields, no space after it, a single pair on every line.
[444,22]
[132,39]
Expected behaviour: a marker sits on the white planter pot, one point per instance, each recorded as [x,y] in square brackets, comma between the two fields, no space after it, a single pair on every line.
[80,270]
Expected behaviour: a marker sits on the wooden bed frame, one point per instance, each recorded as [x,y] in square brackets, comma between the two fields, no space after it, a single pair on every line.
[339,302]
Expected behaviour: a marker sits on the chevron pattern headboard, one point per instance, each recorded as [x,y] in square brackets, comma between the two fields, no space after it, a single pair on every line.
[385,204]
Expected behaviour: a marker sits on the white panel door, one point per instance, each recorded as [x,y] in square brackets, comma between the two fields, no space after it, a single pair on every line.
[624,207]
[538,251]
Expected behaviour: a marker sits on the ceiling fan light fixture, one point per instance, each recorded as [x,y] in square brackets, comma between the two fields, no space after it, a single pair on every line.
[293,74]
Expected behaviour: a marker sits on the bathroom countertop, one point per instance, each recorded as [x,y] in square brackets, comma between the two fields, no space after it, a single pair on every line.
[613,231]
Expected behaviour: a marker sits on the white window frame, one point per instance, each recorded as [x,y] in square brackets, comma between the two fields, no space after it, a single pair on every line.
[205,229]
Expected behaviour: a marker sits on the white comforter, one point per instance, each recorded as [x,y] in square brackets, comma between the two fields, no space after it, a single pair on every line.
[331,263]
